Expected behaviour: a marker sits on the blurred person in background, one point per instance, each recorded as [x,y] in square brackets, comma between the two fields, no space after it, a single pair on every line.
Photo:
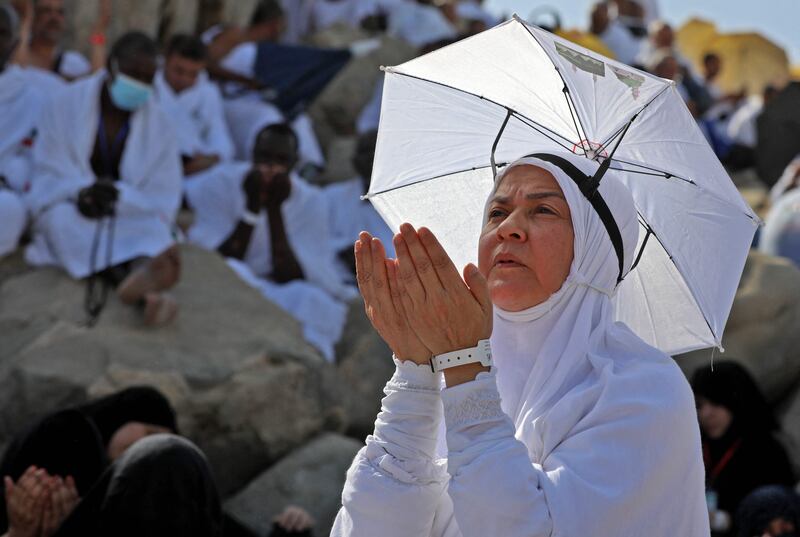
[350,215]
[272,226]
[605,25]
[232,61]
[194,104]
[41,44]
[740,450]
[114,466]
[778,132]
[781,233]
[770,511]
[20,105]
[107,185]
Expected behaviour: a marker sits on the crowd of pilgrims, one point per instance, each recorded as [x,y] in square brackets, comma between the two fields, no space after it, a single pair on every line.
[98,156]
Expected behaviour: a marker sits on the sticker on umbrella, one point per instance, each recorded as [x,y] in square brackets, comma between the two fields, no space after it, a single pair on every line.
[632,80]
[581,61]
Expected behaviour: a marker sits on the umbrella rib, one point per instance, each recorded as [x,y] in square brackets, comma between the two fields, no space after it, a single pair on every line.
[650,231]
[533,125]
[642,109]
[516,113]
[663,175]
[666,175]
[581,132]
[368,195]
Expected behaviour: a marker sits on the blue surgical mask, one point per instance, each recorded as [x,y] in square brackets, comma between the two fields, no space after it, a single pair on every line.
[128,93]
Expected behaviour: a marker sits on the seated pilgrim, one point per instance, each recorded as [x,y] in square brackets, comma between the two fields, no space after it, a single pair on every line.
[107,182]
[46,51]
[194,104]
[50,66]
[233,53]
[273,228]
[349,215]
[20,105]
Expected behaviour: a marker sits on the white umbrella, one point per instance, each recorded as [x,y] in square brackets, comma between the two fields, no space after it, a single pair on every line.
[516,90]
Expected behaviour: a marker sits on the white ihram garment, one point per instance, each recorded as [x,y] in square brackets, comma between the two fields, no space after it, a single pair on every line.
[198,117]
[348,216]
[319,301]
[149,183]
[596,433]
[20,105]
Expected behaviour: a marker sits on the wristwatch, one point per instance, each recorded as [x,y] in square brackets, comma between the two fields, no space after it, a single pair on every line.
[482,353]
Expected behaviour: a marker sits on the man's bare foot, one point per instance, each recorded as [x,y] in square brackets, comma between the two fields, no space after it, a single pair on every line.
[160,309]
[161,272]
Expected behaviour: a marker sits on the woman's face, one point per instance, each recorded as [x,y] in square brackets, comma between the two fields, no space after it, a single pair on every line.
[525,250]
[714,419]
[129,434]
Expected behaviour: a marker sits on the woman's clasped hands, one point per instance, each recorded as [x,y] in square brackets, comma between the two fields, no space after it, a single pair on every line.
[419,303]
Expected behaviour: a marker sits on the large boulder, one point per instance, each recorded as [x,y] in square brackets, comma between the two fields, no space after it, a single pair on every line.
[762,331]
[311,478]
[364,366]
[247,387]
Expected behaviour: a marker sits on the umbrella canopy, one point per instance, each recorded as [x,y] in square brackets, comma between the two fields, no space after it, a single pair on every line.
[516,90]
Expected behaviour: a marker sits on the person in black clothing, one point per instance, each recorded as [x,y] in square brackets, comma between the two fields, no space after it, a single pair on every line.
[116,466]
[737,428]
[770,511]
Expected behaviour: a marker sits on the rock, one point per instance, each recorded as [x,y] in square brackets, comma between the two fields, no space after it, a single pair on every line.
[246,385]
[311,477]
[339,165]
[762,330]
[364,366]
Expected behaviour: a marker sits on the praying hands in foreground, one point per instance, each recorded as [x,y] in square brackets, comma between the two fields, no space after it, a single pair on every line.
[38,503]
[419,303]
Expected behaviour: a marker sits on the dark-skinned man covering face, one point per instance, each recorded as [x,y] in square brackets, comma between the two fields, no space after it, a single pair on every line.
[272,226]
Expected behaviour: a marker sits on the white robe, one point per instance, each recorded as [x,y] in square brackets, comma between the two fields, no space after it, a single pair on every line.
[149,186]
[595,435]
[349,215]
[198,117]
[319,301]
[20,105]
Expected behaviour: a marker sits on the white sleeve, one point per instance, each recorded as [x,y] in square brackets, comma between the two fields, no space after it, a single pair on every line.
[494,487]
[395,484]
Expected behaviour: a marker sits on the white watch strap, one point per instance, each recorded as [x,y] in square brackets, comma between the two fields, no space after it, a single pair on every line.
[482,353]
[249,217]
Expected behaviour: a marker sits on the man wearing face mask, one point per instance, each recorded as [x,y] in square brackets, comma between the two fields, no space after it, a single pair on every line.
[273,228]
[19,104]
[107,185]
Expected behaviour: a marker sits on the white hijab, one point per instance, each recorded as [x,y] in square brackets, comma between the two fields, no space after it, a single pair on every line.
[589,399]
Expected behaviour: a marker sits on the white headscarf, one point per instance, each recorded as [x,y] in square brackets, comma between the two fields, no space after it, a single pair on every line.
[571,378]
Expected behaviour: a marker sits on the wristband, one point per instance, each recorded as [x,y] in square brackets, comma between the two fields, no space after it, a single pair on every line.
[482,353]
[97,39]
[249,217]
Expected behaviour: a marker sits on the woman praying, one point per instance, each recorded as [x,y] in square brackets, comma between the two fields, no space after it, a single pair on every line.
[570,425]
